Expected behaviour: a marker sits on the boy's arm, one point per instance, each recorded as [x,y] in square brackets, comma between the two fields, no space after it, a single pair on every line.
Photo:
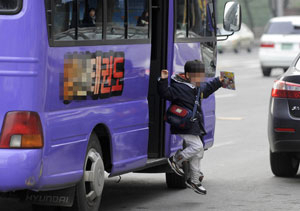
[164,90]
[210,87]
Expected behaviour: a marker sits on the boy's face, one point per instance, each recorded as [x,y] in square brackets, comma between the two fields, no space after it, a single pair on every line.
[196,78]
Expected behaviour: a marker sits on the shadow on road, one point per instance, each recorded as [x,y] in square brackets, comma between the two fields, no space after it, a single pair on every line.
[138,195]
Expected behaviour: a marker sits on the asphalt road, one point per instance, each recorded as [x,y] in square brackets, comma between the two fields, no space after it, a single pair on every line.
[237,171]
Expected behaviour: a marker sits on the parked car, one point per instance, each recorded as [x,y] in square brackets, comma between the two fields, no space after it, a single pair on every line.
[243,39]
[280,43]
[284,123]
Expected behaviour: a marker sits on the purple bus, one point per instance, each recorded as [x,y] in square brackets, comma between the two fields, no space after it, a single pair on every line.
[79,95]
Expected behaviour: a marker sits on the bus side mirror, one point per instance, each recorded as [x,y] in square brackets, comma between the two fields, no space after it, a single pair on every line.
[232,16]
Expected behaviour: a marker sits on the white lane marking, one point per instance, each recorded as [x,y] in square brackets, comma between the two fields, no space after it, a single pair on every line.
[223,144]
[226,95]
[231,67]
[230,118]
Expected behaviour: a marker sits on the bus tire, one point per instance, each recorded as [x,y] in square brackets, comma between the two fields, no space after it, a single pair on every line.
[89,189]
[174,181]
[283,164]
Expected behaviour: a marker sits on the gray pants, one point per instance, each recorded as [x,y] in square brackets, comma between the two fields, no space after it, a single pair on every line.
[193,153]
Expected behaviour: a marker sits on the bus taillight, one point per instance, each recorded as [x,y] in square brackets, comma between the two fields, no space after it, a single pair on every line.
[22,129]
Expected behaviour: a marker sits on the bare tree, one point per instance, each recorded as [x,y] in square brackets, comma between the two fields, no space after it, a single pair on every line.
[273,5]
[248,10]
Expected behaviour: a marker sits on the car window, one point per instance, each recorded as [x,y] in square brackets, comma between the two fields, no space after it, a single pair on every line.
[282,28]
[298,64]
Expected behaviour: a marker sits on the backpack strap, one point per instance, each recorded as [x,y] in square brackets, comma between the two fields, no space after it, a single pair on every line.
[199,94]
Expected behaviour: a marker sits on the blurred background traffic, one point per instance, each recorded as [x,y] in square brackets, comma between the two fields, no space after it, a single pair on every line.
[272,26]
[257,13]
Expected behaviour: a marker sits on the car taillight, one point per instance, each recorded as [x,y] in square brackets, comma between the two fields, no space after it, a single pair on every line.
[267,45]
[286,130]
[282,89]
[22,129]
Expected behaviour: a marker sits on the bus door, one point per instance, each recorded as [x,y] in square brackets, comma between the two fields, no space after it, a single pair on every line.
[195,39]
[159,35]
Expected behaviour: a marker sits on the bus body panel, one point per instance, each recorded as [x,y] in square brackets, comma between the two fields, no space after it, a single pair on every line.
[126,116]
[29,66]
[20,169]
[22,88]
[31,79]
[22,59]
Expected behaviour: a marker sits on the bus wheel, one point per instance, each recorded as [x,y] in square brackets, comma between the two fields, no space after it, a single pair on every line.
[89,189]
[175,181]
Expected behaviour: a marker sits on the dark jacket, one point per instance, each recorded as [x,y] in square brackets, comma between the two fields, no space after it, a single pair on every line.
[183,94]
[88,22]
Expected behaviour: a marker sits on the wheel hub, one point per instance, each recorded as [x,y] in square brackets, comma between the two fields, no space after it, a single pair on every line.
[93,175]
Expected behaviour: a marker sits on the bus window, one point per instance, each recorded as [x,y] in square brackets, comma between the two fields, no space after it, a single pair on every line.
[10,7]
[90,20]
[138,19]
[63,20]
[194,19]
[115,19]
[181,18]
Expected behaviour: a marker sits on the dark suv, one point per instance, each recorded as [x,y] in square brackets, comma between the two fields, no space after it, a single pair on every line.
[284,123]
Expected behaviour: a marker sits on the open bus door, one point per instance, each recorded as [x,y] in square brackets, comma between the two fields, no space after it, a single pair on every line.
[159,50]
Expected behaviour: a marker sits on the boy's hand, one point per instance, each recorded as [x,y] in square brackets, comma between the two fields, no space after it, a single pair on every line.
[164,74]
[222,80]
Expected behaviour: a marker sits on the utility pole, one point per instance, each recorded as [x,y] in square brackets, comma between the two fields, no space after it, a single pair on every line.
[279,7]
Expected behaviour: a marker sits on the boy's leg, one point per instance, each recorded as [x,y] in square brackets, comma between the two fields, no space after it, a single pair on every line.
[194,152]
[194,146]
[195,167]
[186,165]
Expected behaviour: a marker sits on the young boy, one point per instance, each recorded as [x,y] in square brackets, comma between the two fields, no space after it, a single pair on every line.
[183,92]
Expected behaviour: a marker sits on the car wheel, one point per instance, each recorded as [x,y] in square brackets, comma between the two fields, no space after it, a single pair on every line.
[89,189]
[266,71]
[283,164]
[174,181]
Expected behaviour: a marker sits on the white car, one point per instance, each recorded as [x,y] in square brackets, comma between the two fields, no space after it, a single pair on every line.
[243,39]
[280,43]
